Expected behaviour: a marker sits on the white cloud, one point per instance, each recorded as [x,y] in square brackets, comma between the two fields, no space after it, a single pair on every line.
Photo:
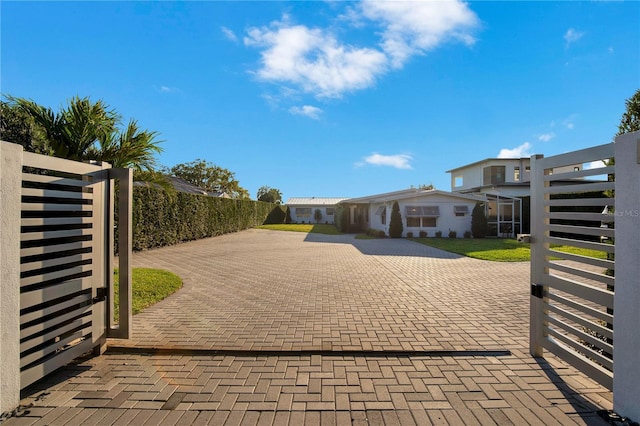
[546,137]
[314,60]
[317,62]
[229,34]
[521,151]
[415,27]
[399,161]
[307,110]
[167,89]
[572,35]
[569,122]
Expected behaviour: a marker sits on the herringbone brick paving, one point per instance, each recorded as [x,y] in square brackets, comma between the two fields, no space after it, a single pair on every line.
[328,295]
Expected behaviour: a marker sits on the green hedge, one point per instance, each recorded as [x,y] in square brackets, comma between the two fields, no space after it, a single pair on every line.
[162,219]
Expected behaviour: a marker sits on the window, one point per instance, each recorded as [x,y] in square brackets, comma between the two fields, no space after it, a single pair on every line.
[493,175]
[303,211]
[433,211]
[461,211]
[382,212]
[330,211]
[422,216]
[516,174]
[527,169]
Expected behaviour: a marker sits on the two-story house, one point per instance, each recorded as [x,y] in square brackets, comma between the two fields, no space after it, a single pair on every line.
[505,182]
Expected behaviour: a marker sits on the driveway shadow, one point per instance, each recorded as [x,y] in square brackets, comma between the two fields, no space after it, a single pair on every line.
[384,246]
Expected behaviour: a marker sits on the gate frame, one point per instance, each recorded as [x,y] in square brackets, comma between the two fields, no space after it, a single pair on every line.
[625,382]
[12,159]
[626,321]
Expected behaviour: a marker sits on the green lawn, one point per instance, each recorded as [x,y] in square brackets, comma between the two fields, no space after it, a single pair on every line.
[301,227]
[149,287]
[497,250]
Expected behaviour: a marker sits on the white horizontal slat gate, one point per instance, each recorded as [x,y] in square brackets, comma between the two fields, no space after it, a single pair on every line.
[572,209]
[66,250]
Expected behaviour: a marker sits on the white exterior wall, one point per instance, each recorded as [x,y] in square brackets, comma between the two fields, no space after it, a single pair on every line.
[445,222]
[375,220]
[310,218]
[473,176]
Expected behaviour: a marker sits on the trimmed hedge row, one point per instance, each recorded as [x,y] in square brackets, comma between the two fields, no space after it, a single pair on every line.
[162,219]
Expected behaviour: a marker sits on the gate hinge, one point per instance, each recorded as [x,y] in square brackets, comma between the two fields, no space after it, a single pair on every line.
[101,295]
[537,290]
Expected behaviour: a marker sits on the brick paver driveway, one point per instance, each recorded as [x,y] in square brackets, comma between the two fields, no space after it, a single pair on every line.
[286,290]
[293,328]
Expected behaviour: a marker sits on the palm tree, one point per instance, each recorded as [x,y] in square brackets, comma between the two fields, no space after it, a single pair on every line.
[132,148]
[74,131]
[86,130]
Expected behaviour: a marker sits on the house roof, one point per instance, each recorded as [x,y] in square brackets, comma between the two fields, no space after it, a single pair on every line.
[411,193]
[487,160]
[314,201]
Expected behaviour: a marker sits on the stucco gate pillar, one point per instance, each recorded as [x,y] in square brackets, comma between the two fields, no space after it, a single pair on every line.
[10,193]
[626,306]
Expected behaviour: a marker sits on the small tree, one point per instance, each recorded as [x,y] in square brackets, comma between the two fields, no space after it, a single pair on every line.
[479,223]
[395,223]
[317,215]
[287,218]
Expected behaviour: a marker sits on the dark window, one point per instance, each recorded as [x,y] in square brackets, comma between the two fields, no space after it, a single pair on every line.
[493,175]
[461,210]
[303,211]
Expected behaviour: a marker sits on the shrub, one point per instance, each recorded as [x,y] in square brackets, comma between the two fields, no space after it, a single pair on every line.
[479,223]
[161,219]
[287,218]
[277,215]
[423,234]
[467,234]
[438,234]
[409,234]
[452,234]
[381,234]
[342,219]
[395,223]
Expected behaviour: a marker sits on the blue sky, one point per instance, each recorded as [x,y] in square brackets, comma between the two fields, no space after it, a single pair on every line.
[336,99]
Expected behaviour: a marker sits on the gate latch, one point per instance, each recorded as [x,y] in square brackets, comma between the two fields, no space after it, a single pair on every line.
[537,290]
[101,295]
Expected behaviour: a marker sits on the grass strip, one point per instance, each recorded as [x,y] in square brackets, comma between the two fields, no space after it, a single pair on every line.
[303,227]
[149,286]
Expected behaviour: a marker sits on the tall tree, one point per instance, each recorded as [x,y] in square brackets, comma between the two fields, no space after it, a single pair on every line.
[479,222]
[630,121]
[395,221]
[210,177]
[269,195]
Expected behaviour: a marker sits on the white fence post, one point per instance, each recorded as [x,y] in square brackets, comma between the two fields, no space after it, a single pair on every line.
[626,321]
[10,193]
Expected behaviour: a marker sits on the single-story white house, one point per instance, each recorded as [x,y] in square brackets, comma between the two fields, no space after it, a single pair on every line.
[303,209]
[429,211]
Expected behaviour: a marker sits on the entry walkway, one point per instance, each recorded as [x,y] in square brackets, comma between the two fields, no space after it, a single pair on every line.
[293,328]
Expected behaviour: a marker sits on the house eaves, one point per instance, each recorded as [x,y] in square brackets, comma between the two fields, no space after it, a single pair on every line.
[486,160]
